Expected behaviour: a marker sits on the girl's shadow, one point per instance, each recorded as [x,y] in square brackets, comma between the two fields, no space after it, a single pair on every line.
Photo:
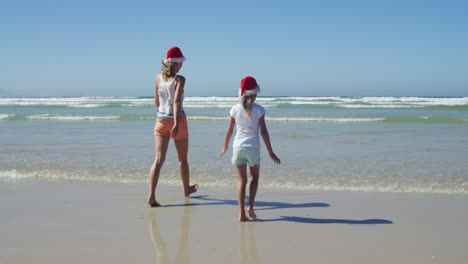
[308,220]
[264,205]
[296,219]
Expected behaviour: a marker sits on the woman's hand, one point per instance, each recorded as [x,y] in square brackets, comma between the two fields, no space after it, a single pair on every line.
[174,131]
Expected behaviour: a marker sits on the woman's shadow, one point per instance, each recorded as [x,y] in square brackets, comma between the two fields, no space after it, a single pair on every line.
[263,205]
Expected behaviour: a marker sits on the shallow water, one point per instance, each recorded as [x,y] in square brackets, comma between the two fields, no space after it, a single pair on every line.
[390,144]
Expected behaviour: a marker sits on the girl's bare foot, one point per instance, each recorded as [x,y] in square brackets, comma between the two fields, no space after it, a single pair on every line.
[251,214]
[192,189]
[242,218]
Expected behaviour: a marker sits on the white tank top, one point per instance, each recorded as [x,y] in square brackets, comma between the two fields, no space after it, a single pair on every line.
[166,95]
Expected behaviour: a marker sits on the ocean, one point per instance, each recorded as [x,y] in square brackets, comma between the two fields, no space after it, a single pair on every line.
[363,144]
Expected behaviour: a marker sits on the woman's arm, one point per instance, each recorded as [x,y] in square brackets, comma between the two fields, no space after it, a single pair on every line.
[179,91]
[156,91]
[266,139]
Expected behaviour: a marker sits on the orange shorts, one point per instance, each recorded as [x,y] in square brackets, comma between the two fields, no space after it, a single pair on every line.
[163,127]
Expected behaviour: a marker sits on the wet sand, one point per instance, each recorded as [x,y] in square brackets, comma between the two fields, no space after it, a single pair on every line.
[47,222]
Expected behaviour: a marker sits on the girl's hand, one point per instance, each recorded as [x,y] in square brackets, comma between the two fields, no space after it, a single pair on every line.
[275,159]
[223,150]
[174,131]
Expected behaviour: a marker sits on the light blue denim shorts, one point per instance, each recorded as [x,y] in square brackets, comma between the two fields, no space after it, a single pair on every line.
[244,155]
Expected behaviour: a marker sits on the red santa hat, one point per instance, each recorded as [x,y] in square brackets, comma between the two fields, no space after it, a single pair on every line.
[174,54]
[249,86]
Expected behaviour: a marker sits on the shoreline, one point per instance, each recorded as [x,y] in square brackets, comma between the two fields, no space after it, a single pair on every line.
[226,186]
[54,222]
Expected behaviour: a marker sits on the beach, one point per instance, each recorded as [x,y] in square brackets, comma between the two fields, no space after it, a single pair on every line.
[364,104]
[362,180]
[44,222]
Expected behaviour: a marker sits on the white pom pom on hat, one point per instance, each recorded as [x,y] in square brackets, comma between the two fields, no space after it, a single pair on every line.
[249,86]
[174,54]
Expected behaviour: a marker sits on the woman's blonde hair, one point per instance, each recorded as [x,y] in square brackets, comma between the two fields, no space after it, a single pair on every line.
[168,69]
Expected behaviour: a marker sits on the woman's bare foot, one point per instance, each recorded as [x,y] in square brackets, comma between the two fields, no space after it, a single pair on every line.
[251,214]
[152,202]
[192,189]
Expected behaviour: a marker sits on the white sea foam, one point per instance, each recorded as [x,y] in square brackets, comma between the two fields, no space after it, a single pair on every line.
[191,105]
[323,119]
[299,119]
[210,99]
[199,118]
[172,179]
[86,105]
[225,117]
[379,106]
[85,102]
[311,103]
[15,175]
[4,116]
[71,118]
[390,188]
[214,101]
[207,118]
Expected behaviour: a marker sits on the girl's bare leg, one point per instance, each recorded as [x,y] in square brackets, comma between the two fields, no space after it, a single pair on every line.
[241,184]
[182,152]
[254,173]
[160,144]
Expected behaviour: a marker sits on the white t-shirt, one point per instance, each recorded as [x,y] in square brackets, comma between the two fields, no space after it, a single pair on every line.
[247,129]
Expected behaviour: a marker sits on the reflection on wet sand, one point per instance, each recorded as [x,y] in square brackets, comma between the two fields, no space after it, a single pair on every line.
[248,252]
[182,255]
[247,246]
[160,247]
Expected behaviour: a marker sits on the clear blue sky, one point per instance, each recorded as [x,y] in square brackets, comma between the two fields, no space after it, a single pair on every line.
[296,48]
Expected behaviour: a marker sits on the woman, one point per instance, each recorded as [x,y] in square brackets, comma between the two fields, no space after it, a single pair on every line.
[171,123]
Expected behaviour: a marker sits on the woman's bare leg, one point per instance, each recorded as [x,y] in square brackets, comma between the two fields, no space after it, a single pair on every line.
[182,152]
[161,144]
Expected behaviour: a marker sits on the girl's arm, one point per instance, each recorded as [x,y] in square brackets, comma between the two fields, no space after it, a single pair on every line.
[156,91]
[179,91]
[266,139]
[227,137]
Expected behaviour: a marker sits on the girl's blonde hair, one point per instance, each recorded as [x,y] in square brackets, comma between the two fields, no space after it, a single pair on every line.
[247,101]
[168,69]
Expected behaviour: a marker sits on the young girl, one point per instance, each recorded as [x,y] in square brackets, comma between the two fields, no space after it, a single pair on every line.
[171,122]
[249,119]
